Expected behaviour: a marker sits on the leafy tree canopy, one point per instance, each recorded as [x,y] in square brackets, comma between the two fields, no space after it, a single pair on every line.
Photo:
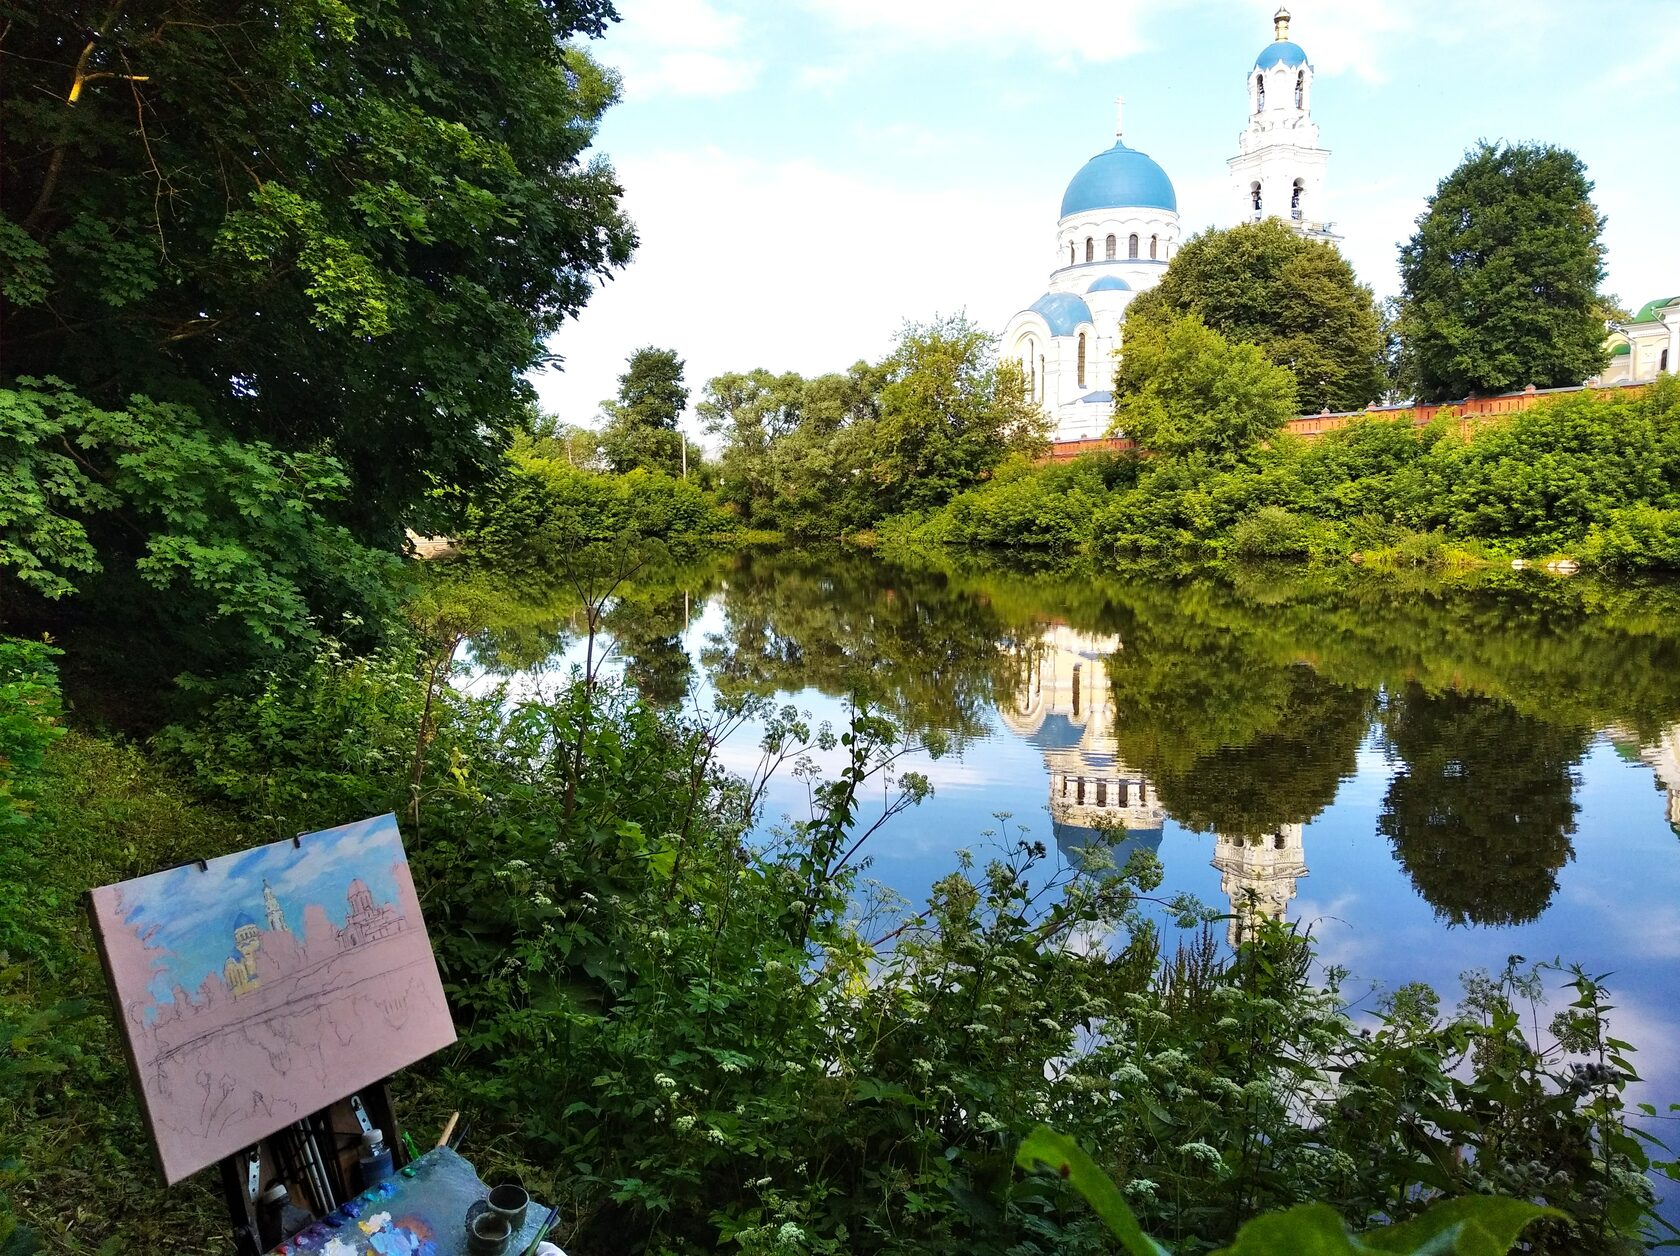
[1483,809]
[949,414]
[641,428]
[1297,299]
[1187,390]
[1500,280]
[326,238]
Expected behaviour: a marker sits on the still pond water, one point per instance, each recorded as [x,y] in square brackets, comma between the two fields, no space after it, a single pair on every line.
[1434,778]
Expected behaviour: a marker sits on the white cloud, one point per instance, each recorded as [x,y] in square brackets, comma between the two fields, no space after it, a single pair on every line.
[1067,29]
[680,48]
[791,266]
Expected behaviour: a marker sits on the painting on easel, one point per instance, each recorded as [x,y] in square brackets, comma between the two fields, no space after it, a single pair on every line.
[259,987]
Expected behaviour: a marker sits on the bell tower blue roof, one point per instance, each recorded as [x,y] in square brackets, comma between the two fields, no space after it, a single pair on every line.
[1281,52]
[1119,178]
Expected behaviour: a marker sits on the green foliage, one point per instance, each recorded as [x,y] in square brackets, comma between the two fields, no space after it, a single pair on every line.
[1500,280]
[833,454]
[1296,299]
[546,514]
[694,1042]
[641,430]
[288,269]
[30,713]
[1482,812]
[216,530]
[1590,474]
[1188,391]
[1474,1225]
[949,415]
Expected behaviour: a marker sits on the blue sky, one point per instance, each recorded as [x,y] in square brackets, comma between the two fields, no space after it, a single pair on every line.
[807,174]
[196,907]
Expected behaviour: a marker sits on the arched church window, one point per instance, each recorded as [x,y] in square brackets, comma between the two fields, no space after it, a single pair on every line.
[1259,92]
[1662,362]
[1041,377]
[1295,195]
[1032,372]
[1300,89]
[1254,195]
[1071,258]
[1132,246]
[1277,841]
[1154,248]
[1090,249]
[1082,359]
[1110,248]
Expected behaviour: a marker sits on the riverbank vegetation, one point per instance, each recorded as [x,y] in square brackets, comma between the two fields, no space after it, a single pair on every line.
[693,1038]
[1593,477]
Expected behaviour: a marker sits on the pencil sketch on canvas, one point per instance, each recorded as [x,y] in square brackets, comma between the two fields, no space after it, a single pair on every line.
[260,987]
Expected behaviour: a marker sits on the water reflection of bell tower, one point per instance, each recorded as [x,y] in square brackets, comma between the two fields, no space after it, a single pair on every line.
[1664,758]
[1063,704]
[1258,875]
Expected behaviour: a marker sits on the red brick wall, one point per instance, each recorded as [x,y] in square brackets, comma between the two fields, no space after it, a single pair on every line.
[1472,413]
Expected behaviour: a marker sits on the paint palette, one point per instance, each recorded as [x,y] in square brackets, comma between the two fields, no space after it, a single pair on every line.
[421,1211]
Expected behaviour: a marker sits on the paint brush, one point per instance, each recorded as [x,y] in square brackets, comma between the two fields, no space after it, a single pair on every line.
[461,1134]
[542,1231]
[449,1128]
[408,1142]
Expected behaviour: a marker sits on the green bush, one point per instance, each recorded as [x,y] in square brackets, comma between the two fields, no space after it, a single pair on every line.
[1590,474]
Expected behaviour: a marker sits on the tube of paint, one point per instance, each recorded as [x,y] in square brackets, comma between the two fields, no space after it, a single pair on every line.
[376,1159]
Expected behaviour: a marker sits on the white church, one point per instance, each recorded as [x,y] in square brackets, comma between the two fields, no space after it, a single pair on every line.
[1119,228]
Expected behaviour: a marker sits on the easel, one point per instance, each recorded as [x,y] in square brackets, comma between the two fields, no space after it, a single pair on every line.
[315,1159]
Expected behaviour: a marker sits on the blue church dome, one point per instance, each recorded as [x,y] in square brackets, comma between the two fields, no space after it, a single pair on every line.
[1110,283]
[1281,52]
[243,919]
[1120,177]
[1062,311]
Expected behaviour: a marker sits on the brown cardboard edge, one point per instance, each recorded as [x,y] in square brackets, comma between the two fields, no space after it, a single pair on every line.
[121,1026]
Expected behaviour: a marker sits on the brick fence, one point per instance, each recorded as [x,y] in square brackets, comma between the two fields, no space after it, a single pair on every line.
[1472,412]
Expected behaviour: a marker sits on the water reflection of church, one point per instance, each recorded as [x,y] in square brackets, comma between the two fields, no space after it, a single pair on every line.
[1064,705]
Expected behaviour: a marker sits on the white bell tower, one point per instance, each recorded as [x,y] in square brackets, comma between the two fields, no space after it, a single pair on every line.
[1278,171]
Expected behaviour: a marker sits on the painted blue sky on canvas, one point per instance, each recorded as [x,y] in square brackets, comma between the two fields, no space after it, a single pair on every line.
[805,175]
[195,909]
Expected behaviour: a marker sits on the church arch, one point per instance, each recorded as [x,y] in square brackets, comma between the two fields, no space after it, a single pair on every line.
[1090,249]
[1254,195]
[1259,92]
[1300,89]
[1298,191]
[1132,246]
[1082,359]
[1110,248]
[1071,257]
[1154,248]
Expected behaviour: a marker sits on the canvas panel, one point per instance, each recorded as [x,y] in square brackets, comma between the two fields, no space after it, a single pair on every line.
[264,985]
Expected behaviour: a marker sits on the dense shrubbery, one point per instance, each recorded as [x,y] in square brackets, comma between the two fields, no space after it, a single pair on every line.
[545,511]
[1593,476]
[691,1042]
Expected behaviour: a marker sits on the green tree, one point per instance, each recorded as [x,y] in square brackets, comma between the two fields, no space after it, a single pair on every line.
[1187,390]
[330,232]
[949,414]
[1500,280]
[641,428]
[750,412]
[1297,299]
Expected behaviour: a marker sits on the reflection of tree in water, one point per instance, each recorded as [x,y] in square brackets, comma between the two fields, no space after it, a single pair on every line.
[649,636]
[1236,743]
[930,656]
[1482,811]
